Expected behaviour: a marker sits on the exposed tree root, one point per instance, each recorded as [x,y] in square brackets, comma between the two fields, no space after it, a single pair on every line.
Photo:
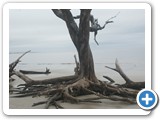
[70,92]
[114,98]
[52,99]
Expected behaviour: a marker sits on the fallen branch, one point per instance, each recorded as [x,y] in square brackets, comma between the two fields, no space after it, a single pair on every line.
[129,83]
[35,72]
[52,99]
[58,80]
[13,64]
[110,79]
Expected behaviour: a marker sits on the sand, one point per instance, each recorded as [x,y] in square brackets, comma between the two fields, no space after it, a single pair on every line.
[26,102]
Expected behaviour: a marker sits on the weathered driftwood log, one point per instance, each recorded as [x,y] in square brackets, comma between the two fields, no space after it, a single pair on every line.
[56,81]
[13,64]
[110,79]
[129,83]
[11,69]
[35,72]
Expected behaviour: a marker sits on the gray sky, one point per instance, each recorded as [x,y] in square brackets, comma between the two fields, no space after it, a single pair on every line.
[41,31]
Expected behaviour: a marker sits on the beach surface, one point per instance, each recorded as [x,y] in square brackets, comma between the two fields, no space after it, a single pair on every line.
[27,102]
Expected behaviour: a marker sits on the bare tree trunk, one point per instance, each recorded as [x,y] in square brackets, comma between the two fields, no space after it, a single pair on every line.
[80,38]
[85,54]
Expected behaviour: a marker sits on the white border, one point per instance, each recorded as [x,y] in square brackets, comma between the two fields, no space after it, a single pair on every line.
[8,6]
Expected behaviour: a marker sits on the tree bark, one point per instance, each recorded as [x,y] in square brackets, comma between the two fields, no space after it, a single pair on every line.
[80,38]
[85,54]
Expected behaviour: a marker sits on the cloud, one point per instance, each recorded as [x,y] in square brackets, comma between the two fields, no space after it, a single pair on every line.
[40,30]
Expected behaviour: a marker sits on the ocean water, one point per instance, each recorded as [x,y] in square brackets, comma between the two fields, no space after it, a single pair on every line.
[61,65]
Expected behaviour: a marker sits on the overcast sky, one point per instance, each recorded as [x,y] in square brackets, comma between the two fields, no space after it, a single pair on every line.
[41,31]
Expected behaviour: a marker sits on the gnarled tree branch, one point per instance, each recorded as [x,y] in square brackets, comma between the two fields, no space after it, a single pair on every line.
[129,83]
[13,64]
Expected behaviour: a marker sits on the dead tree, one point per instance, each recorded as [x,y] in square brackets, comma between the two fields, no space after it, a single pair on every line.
[84,81]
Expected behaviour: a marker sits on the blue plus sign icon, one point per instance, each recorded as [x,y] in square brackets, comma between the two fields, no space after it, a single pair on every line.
[147,99]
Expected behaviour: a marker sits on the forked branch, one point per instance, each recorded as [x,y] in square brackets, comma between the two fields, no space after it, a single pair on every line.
[120,71]
[129,83]
[13,64]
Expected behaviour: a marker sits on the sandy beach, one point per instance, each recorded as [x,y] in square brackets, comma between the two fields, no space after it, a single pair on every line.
[27,102]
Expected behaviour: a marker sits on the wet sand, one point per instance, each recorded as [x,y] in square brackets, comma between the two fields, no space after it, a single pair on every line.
[26,103]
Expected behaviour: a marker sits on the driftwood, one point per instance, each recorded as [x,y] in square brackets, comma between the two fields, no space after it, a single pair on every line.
[84,81]
[129,83]
[35,72]
[13,64]
[11,69]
